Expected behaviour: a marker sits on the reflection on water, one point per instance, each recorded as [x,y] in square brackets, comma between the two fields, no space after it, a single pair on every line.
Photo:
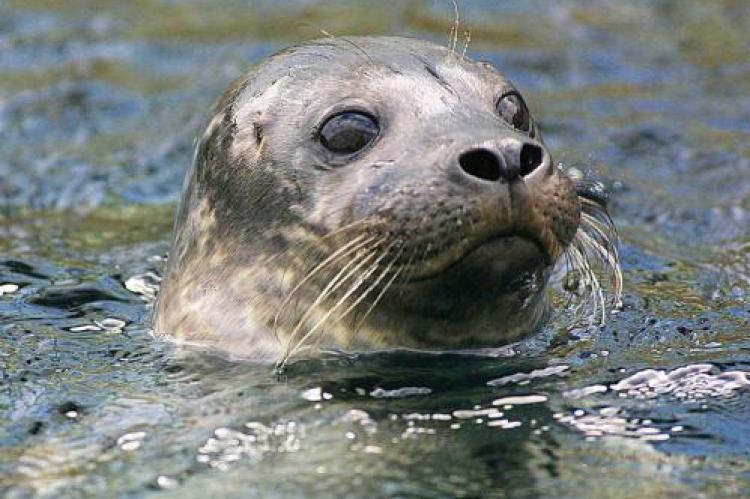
[99,104]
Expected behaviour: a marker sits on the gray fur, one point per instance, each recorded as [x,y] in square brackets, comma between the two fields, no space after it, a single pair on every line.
[264,204]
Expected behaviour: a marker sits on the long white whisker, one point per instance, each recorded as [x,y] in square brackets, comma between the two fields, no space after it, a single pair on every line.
[380,295]
[611,258]
[338,304]
[596,289]
[347,249]
[589,278]
[374,284]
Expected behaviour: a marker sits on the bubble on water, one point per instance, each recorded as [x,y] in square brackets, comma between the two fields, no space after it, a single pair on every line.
[415,416]
[520,400]
[228,445]
[504,424]
[359,420]
[166,482]
[407,391]
[413,432]
[578,393]
[691,383]
[473,413]
[111,324]
[85,327]
[609,421]
[257,427]
[131,441]
[316,395]
[520,378]
[146,285]
[694,383]
[7,289]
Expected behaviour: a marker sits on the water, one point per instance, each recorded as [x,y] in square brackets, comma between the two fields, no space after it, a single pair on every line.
[99,104]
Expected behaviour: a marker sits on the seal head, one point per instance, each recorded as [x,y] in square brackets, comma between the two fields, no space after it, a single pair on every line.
[366,193]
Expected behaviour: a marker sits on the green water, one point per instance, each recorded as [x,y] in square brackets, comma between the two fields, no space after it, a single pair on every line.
[99,105]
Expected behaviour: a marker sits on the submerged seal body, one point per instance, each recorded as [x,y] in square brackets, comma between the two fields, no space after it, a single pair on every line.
[366,193]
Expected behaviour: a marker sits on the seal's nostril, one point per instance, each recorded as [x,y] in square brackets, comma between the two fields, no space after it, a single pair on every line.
[532,157]
[480,163]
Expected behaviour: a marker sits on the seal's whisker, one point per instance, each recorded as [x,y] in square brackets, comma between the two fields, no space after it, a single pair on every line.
[352,289]
[341,276]
[569,269]
[592,280]
[360,50]
[577,264]
[595,214]
[597,296]
[594,207]
[331,288]
[346,272]
[592,252]
[595,229]
[294,246]
[377,281]
[588,278]
[603,257]
[320,266]
[467,41]
[598,229]
[377,300]
[344,251]
[610,256]
[381,294]
[409,265]
[453,37]
[347,227]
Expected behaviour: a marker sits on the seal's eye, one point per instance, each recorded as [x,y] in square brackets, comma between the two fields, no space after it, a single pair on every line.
[348,132]
[513,110]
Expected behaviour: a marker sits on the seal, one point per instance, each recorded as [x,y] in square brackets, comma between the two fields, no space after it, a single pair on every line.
[371,193]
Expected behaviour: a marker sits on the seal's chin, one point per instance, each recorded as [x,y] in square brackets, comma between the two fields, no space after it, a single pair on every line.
[500,259]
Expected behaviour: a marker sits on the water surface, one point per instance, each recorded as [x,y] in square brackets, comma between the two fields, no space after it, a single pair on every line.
[99,105]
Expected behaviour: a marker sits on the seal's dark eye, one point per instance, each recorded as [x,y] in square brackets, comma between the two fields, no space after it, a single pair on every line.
[513,110]
[348,132]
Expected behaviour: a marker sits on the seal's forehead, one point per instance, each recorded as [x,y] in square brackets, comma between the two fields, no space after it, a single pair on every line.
[375,50]
[347,58]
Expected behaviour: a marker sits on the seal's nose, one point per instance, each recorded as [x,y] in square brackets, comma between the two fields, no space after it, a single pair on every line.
[509,162]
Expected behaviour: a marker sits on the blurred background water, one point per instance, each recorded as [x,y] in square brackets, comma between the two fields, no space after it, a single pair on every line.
[100,101]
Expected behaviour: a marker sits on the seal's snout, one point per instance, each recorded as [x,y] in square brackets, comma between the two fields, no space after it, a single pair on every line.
[508,162]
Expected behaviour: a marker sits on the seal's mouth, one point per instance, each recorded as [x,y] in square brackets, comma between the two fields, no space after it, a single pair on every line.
[500,255]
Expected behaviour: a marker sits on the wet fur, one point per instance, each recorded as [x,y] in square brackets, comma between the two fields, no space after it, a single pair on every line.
[277,250]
